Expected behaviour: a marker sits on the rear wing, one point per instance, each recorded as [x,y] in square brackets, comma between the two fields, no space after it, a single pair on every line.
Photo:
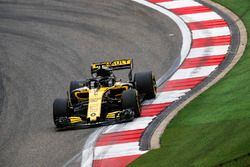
[114,65]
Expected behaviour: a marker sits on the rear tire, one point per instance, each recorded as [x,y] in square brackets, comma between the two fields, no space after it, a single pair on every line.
[60,109]
[130,101]
[145,83]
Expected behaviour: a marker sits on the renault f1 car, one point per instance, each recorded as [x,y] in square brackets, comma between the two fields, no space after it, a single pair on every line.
[103,99]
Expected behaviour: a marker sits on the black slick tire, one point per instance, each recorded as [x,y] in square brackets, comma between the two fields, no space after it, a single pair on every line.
[145,83]
[60,109]
[130,101]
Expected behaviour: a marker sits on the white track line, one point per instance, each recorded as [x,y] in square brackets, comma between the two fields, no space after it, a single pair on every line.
[138,123]
[88,149]
[211,32]
[208,51]
[205,16]
[179,4]
[73,159]
[193,72]
[168,96]
[117,150]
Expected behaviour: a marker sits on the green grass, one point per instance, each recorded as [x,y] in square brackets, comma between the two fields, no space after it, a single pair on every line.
[215,127]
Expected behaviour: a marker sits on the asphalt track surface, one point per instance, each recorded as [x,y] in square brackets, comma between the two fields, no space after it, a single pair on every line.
[46,44]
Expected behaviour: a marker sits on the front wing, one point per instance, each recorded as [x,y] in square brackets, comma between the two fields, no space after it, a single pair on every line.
[111,118]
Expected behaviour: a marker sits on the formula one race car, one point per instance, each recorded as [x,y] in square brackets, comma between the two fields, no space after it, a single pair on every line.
[103,99]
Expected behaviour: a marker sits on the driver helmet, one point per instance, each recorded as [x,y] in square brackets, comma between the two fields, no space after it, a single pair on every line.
[103,72]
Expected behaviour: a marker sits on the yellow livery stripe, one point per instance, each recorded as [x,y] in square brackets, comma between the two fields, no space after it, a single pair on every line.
[75,120]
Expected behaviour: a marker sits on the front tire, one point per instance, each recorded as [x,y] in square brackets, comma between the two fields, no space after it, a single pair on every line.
[130,101]
[145,83]
[60,109]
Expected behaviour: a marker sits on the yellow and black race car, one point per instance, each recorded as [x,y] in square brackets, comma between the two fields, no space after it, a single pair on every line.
[103,99]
